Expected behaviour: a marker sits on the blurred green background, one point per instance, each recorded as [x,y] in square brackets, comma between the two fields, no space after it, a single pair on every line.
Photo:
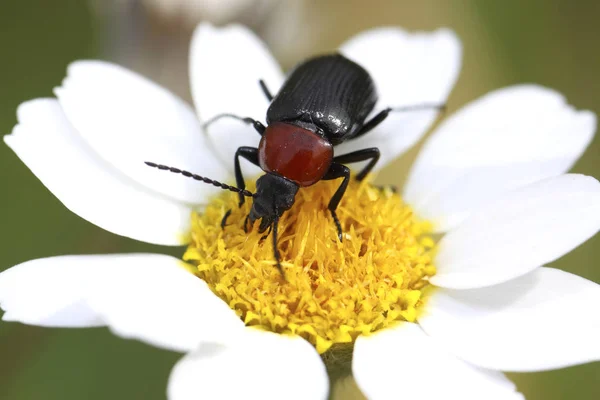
[551,42]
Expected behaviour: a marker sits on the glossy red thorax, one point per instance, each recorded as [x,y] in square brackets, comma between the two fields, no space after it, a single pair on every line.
[295,153]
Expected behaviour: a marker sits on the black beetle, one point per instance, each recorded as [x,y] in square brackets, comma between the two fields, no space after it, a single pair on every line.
[323,102]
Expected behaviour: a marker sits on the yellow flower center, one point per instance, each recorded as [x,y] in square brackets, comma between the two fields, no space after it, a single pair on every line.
[333,291]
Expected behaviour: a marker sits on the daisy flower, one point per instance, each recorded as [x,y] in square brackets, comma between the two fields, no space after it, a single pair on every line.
[405,313]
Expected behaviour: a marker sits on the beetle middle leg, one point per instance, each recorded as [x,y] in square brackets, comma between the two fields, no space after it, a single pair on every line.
[337,171]
[372,154]
[250,154]
[383,114]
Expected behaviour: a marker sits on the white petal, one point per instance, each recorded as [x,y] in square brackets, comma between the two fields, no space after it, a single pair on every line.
[46,142]
[225,67]
[50,292]
[519,232]
[156,300]
[403,362]
[148,297]
[506,139]
[262,365]
[409,69]
[546,319]
[128,119]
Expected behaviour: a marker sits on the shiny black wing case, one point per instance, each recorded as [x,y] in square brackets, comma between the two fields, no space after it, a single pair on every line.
[330,93]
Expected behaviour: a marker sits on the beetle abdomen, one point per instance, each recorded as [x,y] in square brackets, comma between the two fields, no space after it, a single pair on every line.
[331,92]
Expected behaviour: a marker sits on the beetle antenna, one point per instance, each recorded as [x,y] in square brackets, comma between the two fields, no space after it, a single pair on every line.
[188,174]
[226,115]
[257,125]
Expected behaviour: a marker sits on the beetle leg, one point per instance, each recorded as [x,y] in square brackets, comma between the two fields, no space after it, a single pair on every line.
[337,171]
[275,226]
[373,122]
[372,154]
[250,154]
[224,220]
[267,234]
[265,90]
[257,125]
[246,223]
[275,249]
[383,114]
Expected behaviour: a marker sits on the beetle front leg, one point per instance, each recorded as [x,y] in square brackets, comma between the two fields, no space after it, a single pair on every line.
[250,154]
[276,253]
[337,171]
[371,154]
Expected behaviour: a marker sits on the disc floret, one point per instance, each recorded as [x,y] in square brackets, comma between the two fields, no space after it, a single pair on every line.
[332,291]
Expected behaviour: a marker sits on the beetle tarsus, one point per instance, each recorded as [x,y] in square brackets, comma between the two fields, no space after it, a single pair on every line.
[224,220]
[246,223]
[336,171]
[338,225]
[266,235]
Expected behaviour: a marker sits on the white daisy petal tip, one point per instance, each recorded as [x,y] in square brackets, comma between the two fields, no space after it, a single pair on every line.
[54,151]
[427,369]
[148,297]
[519,232]
[43,292]
[262,364]
[127,119]
[227,34]
[544,320]
[408,69]
[507,139]
[226,65]
[390,40]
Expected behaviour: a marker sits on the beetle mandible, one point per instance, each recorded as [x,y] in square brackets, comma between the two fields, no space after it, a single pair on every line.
[323,102]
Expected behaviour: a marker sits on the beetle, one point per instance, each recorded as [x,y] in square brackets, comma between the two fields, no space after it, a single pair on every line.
[323,102]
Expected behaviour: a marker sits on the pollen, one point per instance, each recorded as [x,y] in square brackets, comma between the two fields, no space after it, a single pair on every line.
[331,291]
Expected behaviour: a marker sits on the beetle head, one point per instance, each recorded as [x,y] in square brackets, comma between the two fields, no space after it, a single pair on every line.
[274,195]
